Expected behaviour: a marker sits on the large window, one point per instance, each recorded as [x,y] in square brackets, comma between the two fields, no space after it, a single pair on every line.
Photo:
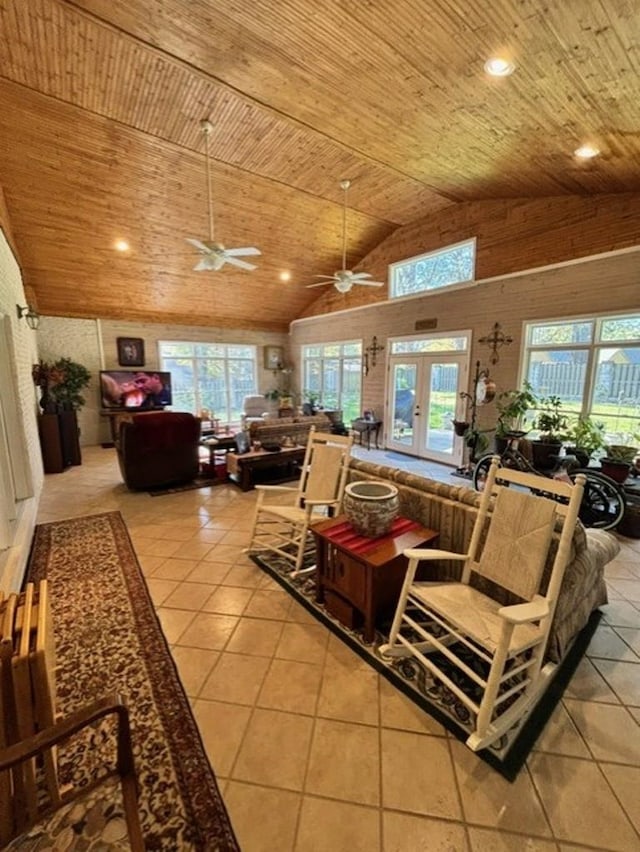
[333,373]
[593,365]
[216,376]
[451,265]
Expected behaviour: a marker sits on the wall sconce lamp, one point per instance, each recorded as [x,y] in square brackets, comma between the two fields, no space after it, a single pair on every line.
[32,316]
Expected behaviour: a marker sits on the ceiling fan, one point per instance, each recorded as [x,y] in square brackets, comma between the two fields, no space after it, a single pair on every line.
[214,254]
[344,279]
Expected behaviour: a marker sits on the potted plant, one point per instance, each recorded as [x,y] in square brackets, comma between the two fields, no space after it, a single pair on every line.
[618,460]
[551,423]
[584,437]
[513,406]
[61,384]
[310,401]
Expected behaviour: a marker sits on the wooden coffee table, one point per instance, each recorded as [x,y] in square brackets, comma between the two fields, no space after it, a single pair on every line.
[359,579]
[245,469]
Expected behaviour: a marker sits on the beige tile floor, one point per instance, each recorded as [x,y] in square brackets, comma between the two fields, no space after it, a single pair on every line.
[313,750]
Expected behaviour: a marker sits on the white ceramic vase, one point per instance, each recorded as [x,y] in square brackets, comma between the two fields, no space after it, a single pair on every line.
[371,507]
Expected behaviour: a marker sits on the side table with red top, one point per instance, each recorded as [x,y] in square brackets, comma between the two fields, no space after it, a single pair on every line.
[358,579]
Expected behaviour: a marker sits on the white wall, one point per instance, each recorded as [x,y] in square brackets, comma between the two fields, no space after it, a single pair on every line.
[18,409]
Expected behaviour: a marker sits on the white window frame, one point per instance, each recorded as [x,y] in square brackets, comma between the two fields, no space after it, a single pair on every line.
[592,347]
[224,415]
[426,291]
[304,358]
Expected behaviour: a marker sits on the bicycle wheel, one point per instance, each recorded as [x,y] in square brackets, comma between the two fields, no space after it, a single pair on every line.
[481,470]
[603,503]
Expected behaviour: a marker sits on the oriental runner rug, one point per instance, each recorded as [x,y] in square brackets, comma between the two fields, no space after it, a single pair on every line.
[108,638]
[509,754]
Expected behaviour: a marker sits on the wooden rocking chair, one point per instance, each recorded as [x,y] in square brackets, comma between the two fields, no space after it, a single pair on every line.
[490,655]
[284,514]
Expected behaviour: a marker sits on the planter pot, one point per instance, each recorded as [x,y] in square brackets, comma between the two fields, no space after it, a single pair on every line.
[581,455]
[371,507]
[545,454]
[616,470]
[460,427]
[500,444]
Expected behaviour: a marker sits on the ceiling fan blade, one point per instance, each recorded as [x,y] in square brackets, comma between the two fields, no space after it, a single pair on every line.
[320,283]
[205,264]
[241,263]
[242,252]
[357,276]
[328,277]
[371,283]
[199,245]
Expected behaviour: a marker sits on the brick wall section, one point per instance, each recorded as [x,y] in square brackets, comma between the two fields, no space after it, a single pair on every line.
[78,340]
[605,285]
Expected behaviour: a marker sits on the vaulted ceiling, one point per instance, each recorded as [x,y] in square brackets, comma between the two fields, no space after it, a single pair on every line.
[101,103]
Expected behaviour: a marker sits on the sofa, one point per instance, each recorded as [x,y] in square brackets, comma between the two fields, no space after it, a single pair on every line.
[275,429]
[158,449]
[451,509]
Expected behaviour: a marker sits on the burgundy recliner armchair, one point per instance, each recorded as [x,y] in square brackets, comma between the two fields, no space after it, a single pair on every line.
[159,449]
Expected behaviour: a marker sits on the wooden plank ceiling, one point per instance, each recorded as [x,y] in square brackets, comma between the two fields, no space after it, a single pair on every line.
[100,135]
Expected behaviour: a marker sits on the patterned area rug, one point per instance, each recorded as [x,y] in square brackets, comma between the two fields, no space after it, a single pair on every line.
[107,638]
[507,755]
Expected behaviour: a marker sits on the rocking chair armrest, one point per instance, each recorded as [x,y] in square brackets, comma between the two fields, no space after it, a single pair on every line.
[308,502]
[521,613]
[67,727]
[426,554]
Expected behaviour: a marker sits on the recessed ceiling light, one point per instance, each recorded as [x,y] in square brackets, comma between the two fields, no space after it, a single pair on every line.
[586,152]
[497,66]
[285,276]
[121,245]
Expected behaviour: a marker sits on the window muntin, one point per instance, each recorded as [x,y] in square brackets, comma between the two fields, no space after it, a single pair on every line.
[216,376]
[333,373]
[445,267]
[594,367]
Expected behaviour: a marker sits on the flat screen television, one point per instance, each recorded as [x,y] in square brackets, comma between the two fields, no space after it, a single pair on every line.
[127,390]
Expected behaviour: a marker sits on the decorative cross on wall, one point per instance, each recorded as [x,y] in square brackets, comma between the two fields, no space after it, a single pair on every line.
[495,340]
[372,350]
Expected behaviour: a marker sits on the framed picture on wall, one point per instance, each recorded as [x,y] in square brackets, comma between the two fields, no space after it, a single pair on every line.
[130,351]
[273,357]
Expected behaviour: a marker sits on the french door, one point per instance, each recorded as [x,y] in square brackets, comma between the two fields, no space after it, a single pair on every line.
[424,400]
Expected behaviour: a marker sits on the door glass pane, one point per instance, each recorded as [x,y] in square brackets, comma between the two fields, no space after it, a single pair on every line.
[441,408]
[404,394]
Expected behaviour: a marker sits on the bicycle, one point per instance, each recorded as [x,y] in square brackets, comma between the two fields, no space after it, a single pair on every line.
[603,503]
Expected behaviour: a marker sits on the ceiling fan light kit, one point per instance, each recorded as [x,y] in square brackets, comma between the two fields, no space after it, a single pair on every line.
[214,254]
[344,279]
